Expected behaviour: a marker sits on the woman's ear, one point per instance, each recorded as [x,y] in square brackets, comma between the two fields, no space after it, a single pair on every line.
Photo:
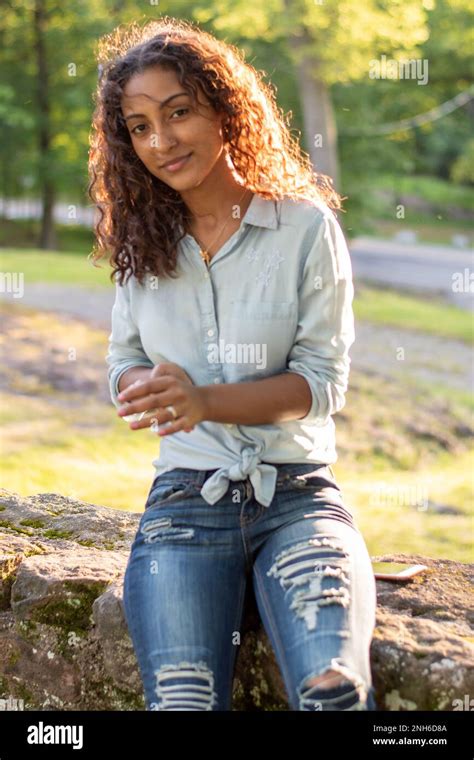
[225,125]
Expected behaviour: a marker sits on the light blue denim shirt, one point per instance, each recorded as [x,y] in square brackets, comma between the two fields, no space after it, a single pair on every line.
[277,298]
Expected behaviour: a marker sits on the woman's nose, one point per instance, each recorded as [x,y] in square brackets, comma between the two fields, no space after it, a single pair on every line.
[162,138]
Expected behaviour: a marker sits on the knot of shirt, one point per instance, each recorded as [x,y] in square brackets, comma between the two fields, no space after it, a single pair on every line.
[262,476]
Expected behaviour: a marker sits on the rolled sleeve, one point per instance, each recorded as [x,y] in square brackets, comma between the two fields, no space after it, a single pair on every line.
[325,329]
[125,347]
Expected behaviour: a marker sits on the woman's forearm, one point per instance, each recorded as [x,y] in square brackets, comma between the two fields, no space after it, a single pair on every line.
[271,400]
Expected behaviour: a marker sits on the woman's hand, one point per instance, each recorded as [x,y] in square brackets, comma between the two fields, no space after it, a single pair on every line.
[167,384]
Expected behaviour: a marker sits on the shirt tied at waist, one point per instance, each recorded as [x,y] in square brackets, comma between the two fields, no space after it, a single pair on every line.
[262,476]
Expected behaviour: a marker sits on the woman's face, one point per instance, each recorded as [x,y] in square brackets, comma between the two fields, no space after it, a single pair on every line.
[165,123]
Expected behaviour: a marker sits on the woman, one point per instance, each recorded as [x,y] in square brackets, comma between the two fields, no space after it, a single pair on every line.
[230,337]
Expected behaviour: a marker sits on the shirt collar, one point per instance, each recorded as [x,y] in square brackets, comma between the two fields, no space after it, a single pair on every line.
[261,213]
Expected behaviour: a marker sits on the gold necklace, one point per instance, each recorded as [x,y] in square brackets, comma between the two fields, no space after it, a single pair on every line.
[205,255]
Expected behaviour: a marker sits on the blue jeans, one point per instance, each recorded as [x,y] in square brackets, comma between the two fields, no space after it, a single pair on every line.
[186,578]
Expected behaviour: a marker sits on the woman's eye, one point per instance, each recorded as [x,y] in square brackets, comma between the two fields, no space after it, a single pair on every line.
[134,130]
[180,110]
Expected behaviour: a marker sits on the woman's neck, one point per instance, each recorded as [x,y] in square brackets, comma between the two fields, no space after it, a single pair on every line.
[211,203]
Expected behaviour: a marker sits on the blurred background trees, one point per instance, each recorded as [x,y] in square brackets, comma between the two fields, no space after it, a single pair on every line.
[317,53]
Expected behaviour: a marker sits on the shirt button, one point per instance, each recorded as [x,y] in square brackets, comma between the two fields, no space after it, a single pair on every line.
[216,380]
[210,333]
[206,275]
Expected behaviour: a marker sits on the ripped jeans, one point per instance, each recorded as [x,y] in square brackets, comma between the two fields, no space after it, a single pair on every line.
[186,578]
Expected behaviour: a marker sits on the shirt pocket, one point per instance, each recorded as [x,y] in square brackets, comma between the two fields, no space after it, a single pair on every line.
[266,328]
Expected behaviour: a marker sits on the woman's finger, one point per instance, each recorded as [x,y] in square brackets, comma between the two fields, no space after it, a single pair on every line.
[147,418]
[171,427]
[145,388]
[140,405]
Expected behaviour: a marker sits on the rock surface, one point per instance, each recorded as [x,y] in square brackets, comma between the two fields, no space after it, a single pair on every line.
[64,643]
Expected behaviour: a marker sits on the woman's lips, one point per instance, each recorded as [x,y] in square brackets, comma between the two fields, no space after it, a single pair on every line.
[177,165]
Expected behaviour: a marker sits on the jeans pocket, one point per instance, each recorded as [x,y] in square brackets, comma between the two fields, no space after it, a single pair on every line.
[287,472]
[162,492]
[321,476]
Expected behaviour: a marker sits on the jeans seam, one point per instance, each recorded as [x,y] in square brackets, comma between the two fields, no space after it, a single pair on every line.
[237,620]
[273,627]
[243,524]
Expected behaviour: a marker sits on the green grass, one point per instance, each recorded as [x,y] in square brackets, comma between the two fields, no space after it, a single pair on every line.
[56,267]
[460,401]
[391,515]
[24,233]
[437,191]
[372,207]
[429,315]
[428,230]
[108,465]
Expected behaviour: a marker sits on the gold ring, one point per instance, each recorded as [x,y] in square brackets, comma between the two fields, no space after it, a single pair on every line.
[172,411]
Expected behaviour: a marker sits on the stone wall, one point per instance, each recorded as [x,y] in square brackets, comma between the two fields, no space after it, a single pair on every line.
[64,643]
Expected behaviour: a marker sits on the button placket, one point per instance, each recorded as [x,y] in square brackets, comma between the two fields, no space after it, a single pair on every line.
[210,327]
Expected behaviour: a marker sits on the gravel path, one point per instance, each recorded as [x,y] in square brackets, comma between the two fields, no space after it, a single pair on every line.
[377,348]
[90,304]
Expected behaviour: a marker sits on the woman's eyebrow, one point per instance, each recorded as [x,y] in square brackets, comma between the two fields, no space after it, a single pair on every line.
[162,105]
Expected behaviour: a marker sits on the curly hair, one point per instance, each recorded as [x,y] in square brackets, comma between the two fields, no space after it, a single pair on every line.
[140,219]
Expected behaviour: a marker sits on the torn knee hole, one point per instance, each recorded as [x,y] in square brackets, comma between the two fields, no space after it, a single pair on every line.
[337,688]
[185,686]
[327,680]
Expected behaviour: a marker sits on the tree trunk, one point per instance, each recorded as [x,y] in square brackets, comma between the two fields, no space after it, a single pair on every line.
[47,238]
[318,113]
